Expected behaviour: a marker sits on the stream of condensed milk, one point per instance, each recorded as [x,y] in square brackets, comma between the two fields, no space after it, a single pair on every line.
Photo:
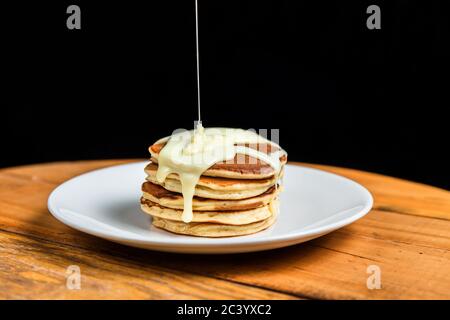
[190,153]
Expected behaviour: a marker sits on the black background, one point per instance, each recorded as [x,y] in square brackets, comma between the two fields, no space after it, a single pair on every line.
[280,309]
[339,93]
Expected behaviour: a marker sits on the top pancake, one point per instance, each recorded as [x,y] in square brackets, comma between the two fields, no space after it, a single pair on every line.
[241,167]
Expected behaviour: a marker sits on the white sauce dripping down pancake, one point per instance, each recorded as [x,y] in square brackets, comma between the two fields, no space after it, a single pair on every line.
[190,153]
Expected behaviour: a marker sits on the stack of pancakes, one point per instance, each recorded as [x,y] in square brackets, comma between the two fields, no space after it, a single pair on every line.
[231,198]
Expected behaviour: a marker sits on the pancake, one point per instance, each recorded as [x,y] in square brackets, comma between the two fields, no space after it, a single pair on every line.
[217,183]
[215,187]
[241,167]
[230,217]
[157,194]
[214,230]
[199,191]
[218,198]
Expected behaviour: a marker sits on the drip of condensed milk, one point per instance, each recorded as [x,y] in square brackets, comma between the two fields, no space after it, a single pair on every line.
[190,153]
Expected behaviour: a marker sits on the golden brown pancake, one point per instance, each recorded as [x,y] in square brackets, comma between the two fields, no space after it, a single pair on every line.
[215,187]
[169,199]
[213,230]
[241,167]
[216,183]
[232,198]
[229,217]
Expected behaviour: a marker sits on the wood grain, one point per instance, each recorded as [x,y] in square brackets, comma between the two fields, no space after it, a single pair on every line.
[34,268]
[407,235]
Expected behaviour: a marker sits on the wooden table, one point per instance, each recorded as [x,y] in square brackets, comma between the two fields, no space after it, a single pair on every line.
[407,235]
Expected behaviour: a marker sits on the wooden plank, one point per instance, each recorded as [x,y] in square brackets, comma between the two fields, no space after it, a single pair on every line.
[58,172]
[414,262]
[403,238]
[37,269]
[335,266]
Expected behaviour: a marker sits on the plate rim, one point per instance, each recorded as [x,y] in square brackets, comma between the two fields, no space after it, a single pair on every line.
[288,237]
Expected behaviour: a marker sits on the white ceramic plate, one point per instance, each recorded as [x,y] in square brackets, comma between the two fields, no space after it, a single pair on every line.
[105,203]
